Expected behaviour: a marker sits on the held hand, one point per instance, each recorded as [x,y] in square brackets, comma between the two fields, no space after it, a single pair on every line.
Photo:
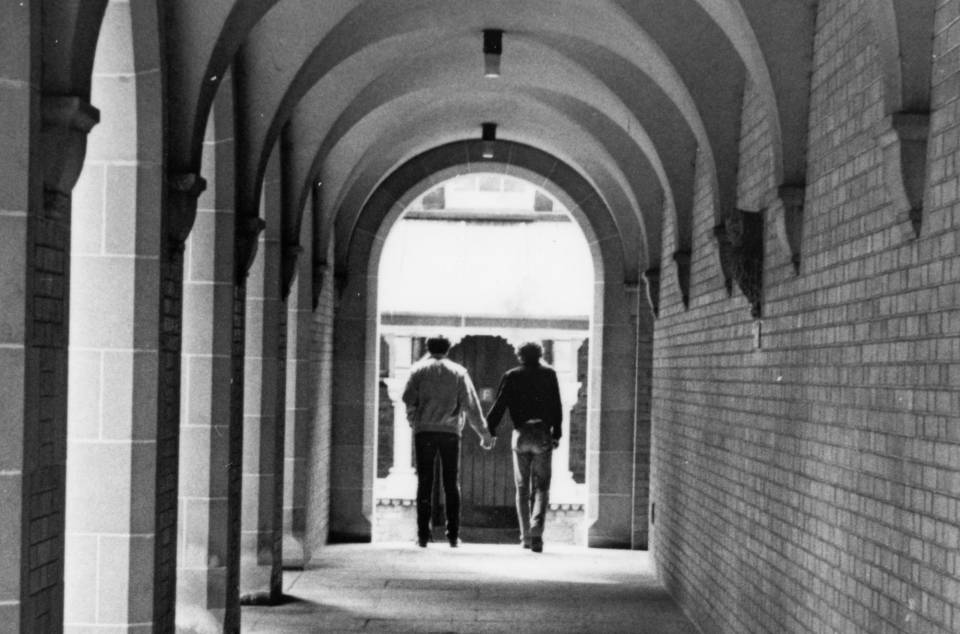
[488,442]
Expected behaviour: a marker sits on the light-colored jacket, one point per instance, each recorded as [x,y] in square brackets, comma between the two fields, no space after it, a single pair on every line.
[439,395]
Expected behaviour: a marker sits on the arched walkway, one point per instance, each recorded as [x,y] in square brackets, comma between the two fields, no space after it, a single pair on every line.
[476,588]
[618,420]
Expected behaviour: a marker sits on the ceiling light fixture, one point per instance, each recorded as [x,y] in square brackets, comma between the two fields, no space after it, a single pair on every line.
[488,138]
[492,49]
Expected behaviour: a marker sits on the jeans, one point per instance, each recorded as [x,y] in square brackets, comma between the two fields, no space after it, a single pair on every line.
[429,445]
[531,474]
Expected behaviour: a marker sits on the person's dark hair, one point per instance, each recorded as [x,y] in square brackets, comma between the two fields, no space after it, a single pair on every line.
[438,345]
[530,352]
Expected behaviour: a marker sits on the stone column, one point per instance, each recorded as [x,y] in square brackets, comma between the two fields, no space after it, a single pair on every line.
[19,196]
[114,365]
[182,193]
[34,278]
[401,482]
[204,536]
[643,427]
[301,386]
[563,488]
[261,542]
[611,422]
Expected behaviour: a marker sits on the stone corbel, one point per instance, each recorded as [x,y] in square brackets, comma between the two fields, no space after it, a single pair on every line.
[740,239]
[288,266]
[66,123]
[682,260]
[183,190]
[789,225]
[902,137]
[340,281]
[247,235]
[320,271]
[652,277]
[725,253]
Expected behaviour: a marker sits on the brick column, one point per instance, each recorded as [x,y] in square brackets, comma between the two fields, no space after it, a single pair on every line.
[231,619]
[181,201]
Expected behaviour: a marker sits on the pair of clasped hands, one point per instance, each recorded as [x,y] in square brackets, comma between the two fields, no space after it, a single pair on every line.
[488,441]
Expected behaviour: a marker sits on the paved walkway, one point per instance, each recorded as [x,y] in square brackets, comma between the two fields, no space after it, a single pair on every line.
[475,588]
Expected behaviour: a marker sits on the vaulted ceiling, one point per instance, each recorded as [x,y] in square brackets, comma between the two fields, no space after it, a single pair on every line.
[630,93]
[634,95]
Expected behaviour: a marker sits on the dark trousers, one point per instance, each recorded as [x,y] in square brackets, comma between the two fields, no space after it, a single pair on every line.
[428,446]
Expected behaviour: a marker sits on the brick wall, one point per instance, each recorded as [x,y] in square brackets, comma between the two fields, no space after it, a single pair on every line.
[812,485]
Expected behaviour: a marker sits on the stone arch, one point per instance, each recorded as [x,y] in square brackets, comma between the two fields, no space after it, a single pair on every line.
[613,334]
[624,214]
[114,334]
[361,33]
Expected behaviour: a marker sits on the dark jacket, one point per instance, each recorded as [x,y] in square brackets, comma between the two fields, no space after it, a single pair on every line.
[528,392]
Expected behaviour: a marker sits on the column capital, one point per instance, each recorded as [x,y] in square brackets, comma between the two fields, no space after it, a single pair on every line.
[787,218]
[246,235]
[681,258]
[288,267]
[66,122]
[183,189]
[740,242]
[652,277]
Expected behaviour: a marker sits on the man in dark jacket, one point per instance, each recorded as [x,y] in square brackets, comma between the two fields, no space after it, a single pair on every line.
[532,395]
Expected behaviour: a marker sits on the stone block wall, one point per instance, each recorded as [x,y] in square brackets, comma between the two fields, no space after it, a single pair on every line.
[811,483]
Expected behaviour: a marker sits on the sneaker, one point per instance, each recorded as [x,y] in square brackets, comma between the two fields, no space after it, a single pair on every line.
[454,542]
[536,545]
[526,544]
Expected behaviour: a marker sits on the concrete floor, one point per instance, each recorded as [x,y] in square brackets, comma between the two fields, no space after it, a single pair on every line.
[394,587]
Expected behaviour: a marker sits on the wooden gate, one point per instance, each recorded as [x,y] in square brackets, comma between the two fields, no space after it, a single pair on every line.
[486,477]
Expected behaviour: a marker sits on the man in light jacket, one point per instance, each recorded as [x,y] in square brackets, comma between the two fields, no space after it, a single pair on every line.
[439,395]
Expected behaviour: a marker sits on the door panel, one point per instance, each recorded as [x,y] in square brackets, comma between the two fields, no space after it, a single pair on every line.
[486,477]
